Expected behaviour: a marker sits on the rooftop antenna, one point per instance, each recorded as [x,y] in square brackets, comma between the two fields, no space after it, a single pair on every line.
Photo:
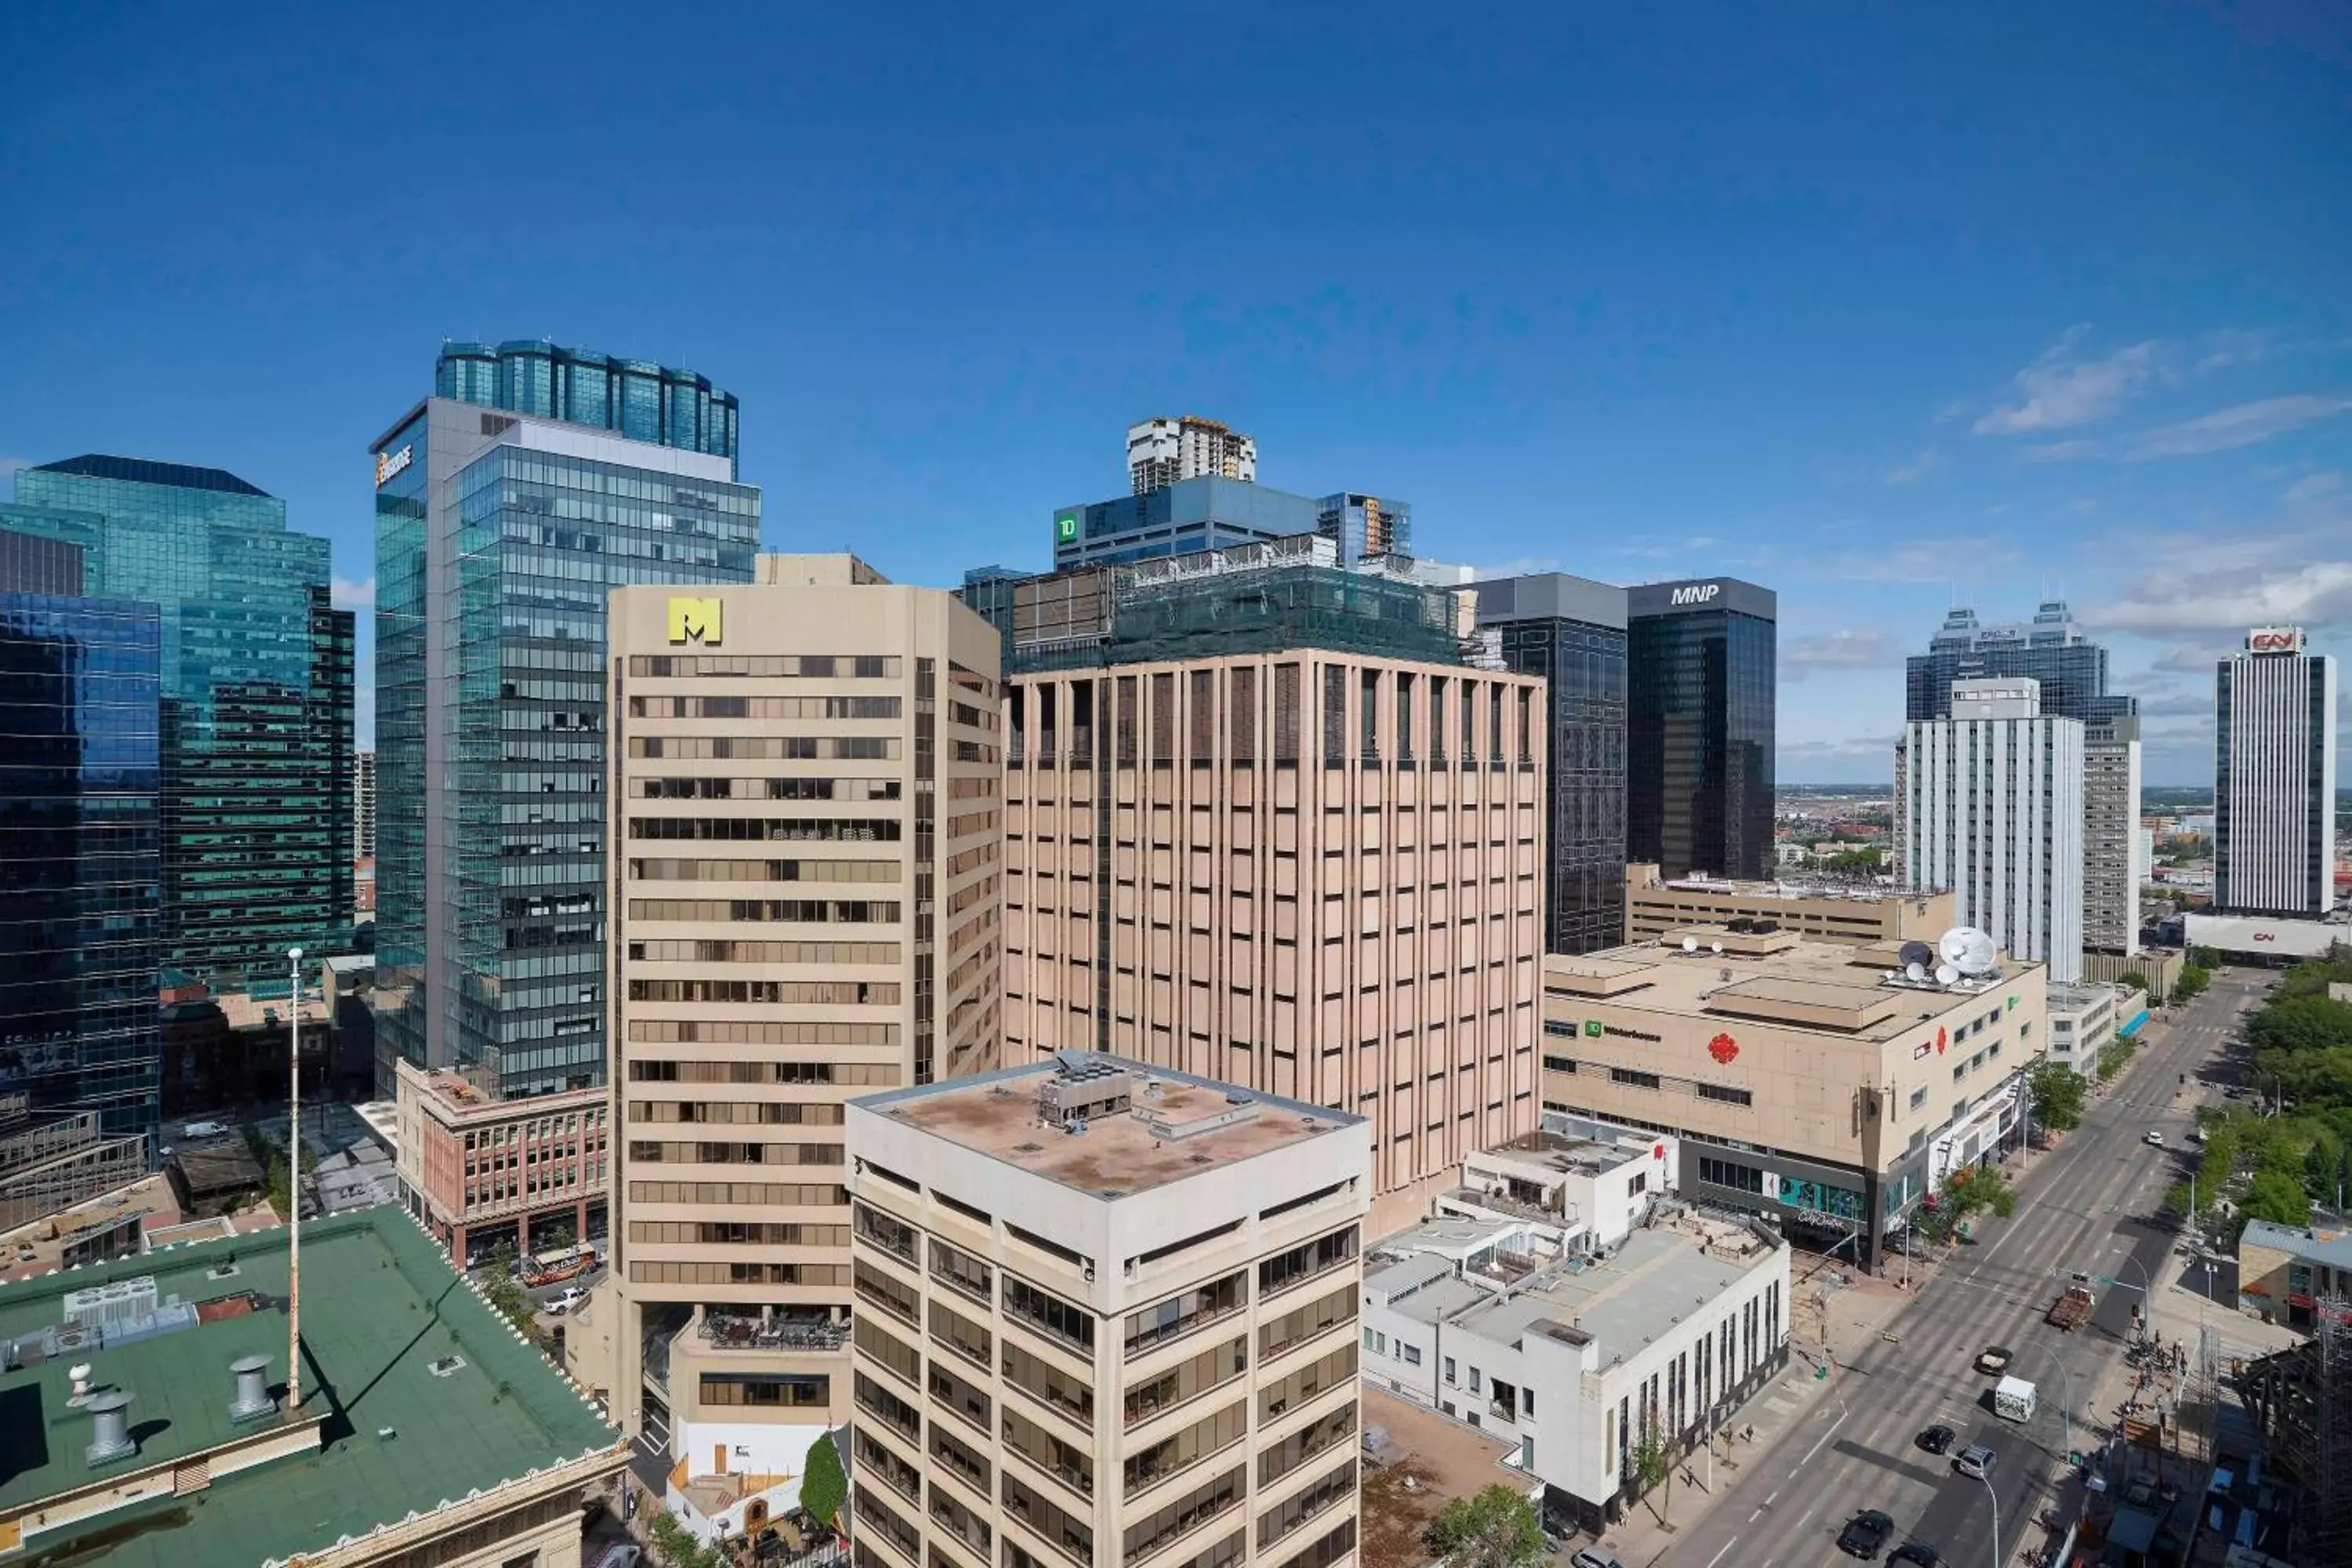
[294,1188]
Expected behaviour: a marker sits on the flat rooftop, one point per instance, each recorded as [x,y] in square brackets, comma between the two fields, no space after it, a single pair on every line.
[1175,1125]
[425,1395]
[1809,984]
[1569,1154]
[1659,1277]
[1779,893]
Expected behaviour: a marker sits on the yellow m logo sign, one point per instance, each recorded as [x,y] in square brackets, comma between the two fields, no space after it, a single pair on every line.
[694,620]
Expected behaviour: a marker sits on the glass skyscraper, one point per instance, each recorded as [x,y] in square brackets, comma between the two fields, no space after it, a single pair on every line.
[635,398]
[80,847]
[255,702]
[1700,726]
[498,537]
[2052,649]
[1571,632]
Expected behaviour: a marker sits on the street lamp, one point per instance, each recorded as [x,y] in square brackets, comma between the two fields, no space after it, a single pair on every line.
[2065,1382]
[294,1186]
[1995,1496]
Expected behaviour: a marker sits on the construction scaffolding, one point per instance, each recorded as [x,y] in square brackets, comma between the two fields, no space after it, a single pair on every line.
[2302,1399]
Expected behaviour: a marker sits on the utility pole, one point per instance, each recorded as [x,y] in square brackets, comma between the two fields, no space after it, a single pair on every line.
[294,1187]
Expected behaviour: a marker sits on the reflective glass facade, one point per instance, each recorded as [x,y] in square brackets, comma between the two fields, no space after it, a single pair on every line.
[642,401]
[1699,728]
[1584,908]
[495,556]
[80,857]
[2051,649]
[255,705]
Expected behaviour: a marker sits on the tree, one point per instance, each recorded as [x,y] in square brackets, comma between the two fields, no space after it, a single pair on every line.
[1496,1529]
[823,1489]
[2204,958]
[2134,979]
[1653,1463]
[2057,1091]
[505,1293]
[2191,984]
[1977,1190]
[2277,1198]
[676,1546]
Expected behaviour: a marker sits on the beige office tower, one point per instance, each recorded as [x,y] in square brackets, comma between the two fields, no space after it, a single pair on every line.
[1312,872]
[1107,1314]
[804,777]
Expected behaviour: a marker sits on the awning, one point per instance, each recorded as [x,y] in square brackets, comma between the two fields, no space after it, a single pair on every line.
[2127,1031]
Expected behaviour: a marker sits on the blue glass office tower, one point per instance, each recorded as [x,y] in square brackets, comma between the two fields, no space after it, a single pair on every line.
[1210,514]
[2052,649]
[255,702]
[498,539]
[1699,726]
[80,844]
[642,401]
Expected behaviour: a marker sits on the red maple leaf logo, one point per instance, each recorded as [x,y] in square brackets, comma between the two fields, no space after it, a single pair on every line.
[1942,1040]
[1723,1048]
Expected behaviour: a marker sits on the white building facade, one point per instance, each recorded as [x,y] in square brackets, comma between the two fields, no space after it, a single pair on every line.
[1163,452]
[2275,778]
[2112,865]
[1992,809]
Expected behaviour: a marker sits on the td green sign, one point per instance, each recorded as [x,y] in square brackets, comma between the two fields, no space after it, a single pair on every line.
[1065,528]
[1592,1027]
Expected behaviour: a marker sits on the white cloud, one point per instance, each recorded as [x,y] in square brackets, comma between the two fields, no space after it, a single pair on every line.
[1917,468]
[2228,428]
[1957,558]
[2311,593]
[2311,487]
[1799,656]
[1856,759]
[2191,658]
[349,596]
[2061,388]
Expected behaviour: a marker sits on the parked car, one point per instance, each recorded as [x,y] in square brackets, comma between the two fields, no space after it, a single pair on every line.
[1994,1359]
[1975,1459]
[1916,1552]
[1937,1439]
[1587,1558]
[621,1555]
[572,1296]
[1864,1533]
[2153,1139]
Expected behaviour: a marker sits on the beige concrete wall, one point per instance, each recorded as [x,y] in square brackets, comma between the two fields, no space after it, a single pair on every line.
[833,929]
[1652,907]
[1280,914]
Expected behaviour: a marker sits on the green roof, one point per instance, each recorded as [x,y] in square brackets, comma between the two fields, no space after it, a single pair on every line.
[380,1307]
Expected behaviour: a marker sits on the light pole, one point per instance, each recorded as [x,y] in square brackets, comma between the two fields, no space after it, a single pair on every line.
[294,1187]
[1995,1496]
[2066,1383]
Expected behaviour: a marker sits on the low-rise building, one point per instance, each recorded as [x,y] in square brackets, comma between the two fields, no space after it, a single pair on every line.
[2083,1025]
[477,1171]
[1856,916]
[2259,939]
[1580,1358]
[1586,1183]
[1810,1081]
[149,1398]
[1106,1311]
[2284,1271]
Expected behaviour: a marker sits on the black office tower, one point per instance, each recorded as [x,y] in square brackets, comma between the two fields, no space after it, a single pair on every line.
[1573,633]
[1699,726]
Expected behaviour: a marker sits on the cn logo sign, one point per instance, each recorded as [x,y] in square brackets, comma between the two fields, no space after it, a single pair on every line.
[1697,593]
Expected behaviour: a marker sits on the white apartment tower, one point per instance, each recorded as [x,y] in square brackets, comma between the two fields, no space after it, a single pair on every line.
[1992,809]
[2275,778]
[803,775]
[1161,452]
[1107,1313]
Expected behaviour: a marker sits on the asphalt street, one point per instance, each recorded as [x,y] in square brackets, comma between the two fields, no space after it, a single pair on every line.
[2089,1205]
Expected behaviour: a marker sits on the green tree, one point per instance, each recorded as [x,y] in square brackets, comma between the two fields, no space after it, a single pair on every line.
[1859,861]
[1496,1529]
[1654,1465]
[505,1293]
[2133,978]
[823,1489]
[2204,958]
[1978,1190]
[2191,984]
[2277,1198]
[2058,1091]
[677,1548]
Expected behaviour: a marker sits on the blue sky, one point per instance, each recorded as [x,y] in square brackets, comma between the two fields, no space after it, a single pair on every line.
[1870,305]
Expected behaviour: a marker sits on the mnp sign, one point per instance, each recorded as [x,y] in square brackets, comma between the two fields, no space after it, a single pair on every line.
[695,620]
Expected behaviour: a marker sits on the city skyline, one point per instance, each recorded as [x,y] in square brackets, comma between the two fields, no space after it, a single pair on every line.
[1895,383]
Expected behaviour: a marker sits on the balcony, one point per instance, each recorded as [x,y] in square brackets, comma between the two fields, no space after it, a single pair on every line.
[740,1331]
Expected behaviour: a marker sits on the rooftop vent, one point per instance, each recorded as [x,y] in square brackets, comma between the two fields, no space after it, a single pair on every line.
[111,1305]
[448,1366]
[109,1427]
[222,1272]
[252,1400]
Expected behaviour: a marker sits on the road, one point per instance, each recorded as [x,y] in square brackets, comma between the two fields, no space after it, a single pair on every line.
[2084,1205]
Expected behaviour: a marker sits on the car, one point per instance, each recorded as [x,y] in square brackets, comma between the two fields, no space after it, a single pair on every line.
[1587,1558]
[1937,1439]
[1864,1533]
[1975,1459]
[2153,1139]
[1917,1551]
[572,1296]
[620,1555]
[1994,1359]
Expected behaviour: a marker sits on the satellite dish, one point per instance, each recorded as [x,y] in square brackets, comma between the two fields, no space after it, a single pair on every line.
[1976,953]
[1690,944]
[1952,945]
[1717,948]
[1919,953]
[1947,975]
[1915,971]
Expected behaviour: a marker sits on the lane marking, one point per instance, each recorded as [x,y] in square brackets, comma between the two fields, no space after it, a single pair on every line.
[1718,1556]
